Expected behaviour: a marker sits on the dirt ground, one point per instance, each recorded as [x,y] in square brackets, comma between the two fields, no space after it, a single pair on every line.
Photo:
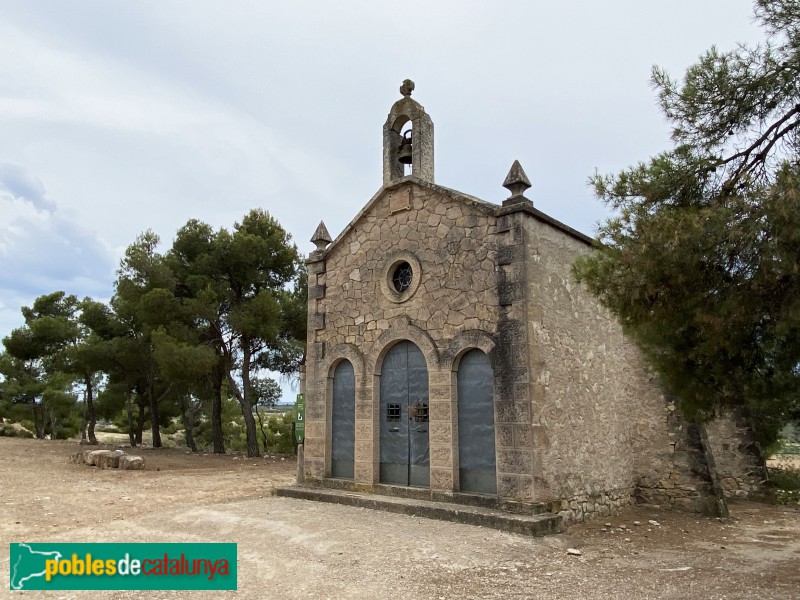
[298,549]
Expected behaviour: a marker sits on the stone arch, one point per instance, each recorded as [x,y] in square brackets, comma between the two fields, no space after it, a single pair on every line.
[400,330]
[403,414]
[464,342]
[400,120]
[328,364]
[341,352]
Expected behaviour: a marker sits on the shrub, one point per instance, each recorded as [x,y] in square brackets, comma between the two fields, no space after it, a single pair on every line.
[279,434]
[785,485]
[9,430]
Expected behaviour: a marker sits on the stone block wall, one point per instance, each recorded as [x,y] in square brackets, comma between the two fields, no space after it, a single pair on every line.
[738,458]
[512,368]
[605,434]
[584,392]
[580,421]
[684,477]
[449,240]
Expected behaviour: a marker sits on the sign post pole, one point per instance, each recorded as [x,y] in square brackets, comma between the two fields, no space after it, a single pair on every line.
[300,434]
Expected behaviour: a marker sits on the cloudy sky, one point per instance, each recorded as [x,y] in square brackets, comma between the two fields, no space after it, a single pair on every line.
[121,116]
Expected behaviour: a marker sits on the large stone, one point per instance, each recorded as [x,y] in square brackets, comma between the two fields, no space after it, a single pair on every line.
[110,461]
[93,457]
[128,462]
[79,457]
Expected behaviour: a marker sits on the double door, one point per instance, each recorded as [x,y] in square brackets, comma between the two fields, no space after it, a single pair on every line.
[404,447]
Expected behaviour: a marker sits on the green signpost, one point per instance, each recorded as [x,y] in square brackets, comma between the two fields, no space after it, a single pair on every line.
[300,418]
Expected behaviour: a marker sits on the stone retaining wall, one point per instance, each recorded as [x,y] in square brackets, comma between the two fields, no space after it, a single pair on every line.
[739,460]
[584,507]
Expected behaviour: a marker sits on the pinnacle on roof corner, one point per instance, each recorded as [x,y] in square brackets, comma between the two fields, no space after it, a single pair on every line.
[321,236]
[516,181]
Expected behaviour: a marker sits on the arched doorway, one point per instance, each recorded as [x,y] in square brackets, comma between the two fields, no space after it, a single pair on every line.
[343,431]
[404,451]
[476,449]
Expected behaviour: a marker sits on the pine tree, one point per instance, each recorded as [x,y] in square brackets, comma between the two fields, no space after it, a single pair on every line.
[702,261]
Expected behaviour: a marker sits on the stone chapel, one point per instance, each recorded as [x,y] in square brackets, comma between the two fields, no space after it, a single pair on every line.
[451,352]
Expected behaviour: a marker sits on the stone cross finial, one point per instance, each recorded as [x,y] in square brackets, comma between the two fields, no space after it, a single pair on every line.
[321,236]
[516,181]
[407,88]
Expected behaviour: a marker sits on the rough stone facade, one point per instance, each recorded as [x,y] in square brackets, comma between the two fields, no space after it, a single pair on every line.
[358,317]
[739,462]
[579,422]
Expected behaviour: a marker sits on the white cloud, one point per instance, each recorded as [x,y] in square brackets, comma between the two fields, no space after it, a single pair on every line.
[41,250]
[23,187]
[144,114]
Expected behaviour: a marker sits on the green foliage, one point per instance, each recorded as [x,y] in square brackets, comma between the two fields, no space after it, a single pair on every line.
[785,485]
[232,285]
[288,350]
[279,433]
[232,428]
[63,420]
[702,262]
[265,392]
[56,353]
[277,427]
[171,428]
[185,338]
[9,430]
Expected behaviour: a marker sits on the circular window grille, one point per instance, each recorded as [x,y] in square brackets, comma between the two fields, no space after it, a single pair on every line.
[402,277]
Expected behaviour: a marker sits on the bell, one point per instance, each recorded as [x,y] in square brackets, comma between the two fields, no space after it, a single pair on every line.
[405,149]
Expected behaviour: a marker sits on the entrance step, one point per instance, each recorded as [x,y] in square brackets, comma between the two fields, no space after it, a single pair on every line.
[521,523]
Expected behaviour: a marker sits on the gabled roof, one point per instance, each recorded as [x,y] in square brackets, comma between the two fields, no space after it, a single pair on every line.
[483,206]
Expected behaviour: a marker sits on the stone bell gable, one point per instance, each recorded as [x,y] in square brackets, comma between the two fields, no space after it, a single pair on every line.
[450,351]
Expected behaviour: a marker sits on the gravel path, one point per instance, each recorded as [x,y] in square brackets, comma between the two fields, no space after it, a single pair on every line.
[298,549]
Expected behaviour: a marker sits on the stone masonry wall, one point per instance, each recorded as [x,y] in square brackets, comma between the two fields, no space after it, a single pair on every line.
[512,369]
[676,469]
[583,394]
[457,261]
[606,435]
[449,241]
[580,421]
[738,458]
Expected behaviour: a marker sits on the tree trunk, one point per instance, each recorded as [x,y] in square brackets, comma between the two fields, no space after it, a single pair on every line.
[51,423]
[188,424]
[90,409]
[140,422]
[38,420]
[154,424]
[83,425]
[247,415]
[216,410]
[250,428]
[131,434]
[247,405]
[263,431]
